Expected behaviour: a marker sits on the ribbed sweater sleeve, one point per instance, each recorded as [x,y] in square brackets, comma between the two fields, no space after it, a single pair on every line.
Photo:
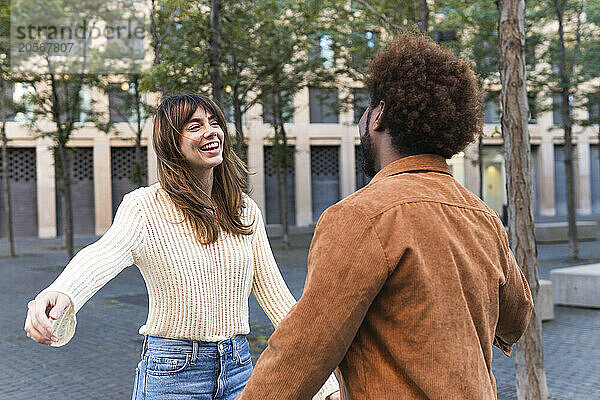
[95,265]
[271,291]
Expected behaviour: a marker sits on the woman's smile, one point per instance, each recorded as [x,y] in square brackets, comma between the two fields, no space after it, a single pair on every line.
[212,147]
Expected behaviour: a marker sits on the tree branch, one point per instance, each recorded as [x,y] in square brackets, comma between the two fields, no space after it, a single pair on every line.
[577,42]
[381,16]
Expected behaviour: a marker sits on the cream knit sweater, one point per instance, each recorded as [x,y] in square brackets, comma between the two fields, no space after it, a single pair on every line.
[195,291]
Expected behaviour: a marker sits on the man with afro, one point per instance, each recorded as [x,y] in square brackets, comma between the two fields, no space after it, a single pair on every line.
[411,280]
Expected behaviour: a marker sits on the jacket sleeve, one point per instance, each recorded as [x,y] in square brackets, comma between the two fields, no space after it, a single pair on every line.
[516,305]
[95,265]
[271,291]
[346,270]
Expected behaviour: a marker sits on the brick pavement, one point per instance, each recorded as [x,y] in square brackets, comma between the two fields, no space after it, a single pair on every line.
[100,360]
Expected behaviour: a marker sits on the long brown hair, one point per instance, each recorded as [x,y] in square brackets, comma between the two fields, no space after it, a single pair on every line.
[206,214]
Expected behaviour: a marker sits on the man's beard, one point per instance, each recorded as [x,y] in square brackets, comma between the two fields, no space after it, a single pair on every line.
[368,153]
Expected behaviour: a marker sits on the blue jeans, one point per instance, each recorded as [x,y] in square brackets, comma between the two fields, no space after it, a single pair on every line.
[177,369]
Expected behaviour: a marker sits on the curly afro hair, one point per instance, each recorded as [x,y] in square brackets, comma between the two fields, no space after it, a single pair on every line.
[432,102]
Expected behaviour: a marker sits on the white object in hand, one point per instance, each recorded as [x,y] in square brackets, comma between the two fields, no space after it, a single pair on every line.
[64,327]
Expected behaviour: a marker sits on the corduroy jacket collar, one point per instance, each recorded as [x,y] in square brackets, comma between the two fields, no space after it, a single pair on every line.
[416,163]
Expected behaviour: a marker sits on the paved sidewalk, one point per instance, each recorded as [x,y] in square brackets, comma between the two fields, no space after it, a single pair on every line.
[99,362]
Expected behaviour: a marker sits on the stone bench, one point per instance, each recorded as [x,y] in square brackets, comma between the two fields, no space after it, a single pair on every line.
[545,303]
[577,286]
[553,232]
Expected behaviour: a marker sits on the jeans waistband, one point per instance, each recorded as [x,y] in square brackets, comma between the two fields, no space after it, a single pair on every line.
[233,344]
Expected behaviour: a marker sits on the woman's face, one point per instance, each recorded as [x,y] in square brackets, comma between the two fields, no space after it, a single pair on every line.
[202,141]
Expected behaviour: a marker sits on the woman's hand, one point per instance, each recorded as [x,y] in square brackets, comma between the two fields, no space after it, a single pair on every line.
[46,306]
[334,396]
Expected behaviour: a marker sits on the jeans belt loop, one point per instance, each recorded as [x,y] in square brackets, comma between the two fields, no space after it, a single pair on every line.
[144,345]
[194,351]
[235,354]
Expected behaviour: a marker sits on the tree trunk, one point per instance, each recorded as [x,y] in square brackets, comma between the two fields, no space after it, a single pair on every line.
[67,211]
[480,165]
[138,168]
[565,110]
[278,116]
[279,174]
[284,222]
[156,41]
[6,176]
[529,357]
[240,144]
[424,16]
[215,45]
[155,34]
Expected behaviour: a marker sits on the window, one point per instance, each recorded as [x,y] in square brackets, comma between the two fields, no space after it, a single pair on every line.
[445,36]
[326,46]
[593,106]
[323,105]
[556,111]
[491,108]
[227,105]
[268,117]
[21,95]
[531,42]
[532,102]
[360,103]
[121,102]
[66,92]
[557,118]
[126,40]
[321,51]
[85,103]
[363,48]
[9,108]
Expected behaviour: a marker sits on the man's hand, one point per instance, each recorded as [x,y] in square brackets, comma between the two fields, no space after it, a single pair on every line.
[47,306]
[334,396]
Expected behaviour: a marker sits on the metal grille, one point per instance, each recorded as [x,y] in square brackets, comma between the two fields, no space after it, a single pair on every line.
[82,164]
[21,163]
[82,192]
[22,172]
[325,180]
[272,189]
[270,168]
[323,105]
[122,160]
[324,160]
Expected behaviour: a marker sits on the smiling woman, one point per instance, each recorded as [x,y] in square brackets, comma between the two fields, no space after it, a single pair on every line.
[197,166]
[201,246]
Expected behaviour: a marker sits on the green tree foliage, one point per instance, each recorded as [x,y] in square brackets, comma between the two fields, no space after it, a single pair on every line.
[56,85]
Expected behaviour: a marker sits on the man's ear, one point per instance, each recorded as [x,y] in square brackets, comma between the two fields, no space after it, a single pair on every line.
[379,112]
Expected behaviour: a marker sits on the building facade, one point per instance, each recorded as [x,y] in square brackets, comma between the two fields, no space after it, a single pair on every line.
[326,166]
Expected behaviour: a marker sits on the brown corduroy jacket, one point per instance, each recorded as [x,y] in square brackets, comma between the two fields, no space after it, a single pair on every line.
[410,282]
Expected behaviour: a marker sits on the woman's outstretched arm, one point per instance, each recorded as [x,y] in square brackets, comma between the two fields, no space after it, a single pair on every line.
[89,270]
